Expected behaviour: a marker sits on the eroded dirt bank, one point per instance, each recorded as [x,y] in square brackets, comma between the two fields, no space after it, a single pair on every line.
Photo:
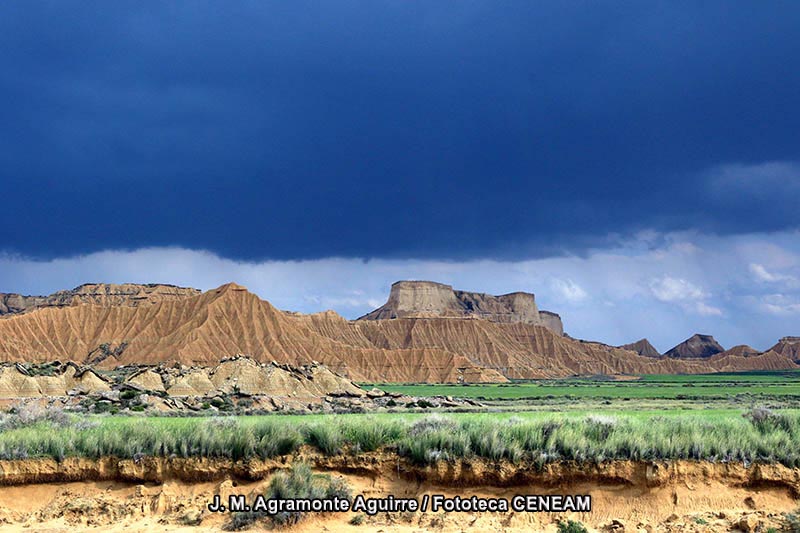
[166,494]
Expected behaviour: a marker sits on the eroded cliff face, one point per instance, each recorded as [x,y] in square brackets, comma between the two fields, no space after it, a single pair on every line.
[789,347]
[105,294]
[552,321]
[418,299]
[428,299]
[200,330]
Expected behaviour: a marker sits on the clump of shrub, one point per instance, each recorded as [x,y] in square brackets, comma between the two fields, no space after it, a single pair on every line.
[434,438]
[29,414]
[766,420]
[325,437]
[493,445]
[791,522]
[368,434]
[298,483]
[571,526]
[600,427]
[432,423]
[223,404]
[128,394]
[43,369]
[274,439]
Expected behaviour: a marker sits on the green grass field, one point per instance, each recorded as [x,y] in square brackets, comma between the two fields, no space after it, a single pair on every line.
[666,417]
[739,378]
[704,386]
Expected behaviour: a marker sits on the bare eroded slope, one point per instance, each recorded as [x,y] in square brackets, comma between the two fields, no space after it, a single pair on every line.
[201,329]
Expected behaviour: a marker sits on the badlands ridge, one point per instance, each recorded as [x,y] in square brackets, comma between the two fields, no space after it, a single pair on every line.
[426,332]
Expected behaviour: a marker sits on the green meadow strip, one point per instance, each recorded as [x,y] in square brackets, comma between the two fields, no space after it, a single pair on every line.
[759,435]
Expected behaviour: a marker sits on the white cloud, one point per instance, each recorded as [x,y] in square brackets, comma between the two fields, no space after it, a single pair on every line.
[669,289]
[762,274]
[569,290]
[707,310]
[780,304]
[685,294]
[677,285]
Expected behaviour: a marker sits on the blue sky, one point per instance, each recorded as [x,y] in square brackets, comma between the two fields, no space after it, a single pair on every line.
[431,136]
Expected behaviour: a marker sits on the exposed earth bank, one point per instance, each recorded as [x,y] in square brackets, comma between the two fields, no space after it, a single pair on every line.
[171,494]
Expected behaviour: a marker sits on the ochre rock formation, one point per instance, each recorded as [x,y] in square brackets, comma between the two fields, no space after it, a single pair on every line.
[696,346]
[789,347]
[17,382]
[202,329]
[235,375]
[742,350]
[427,299]
[642,347]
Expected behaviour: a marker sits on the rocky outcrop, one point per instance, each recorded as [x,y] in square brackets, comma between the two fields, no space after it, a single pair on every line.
[16,303]
[237,385]
[147,379]
[696,346]
[236,375]
[246,376]
[105,294]
[642,347]
[788,347]
[418,299]
[552,321]
[21,381]
[199,331]
[428,299]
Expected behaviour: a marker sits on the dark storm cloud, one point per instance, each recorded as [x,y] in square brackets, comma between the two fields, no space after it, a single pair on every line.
[299,130]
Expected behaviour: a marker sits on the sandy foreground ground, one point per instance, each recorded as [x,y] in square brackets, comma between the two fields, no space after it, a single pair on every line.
[626,497]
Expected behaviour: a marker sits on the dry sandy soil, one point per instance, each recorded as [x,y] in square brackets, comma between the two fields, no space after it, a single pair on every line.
[167,495]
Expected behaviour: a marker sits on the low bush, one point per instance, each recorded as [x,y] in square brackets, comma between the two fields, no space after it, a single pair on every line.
[791,522]
[767,420]
[571,526]
[325,437]
[298,483]
[129,394]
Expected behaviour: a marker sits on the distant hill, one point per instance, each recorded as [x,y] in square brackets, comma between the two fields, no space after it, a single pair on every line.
[789,347]
[149,325]
[129,294]
[696,347]
[642,347]
[742,350]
